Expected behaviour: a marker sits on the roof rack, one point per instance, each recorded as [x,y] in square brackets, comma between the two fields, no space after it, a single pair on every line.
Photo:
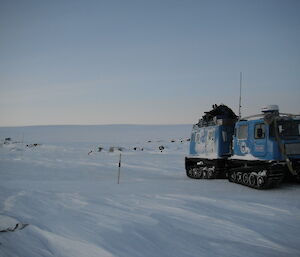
[213,117]
[263,114]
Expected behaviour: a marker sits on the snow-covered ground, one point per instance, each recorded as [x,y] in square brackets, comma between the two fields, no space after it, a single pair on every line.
[74,206]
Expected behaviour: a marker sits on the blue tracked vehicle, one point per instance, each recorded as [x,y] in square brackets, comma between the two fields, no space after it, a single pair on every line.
[210,145]
[257,151]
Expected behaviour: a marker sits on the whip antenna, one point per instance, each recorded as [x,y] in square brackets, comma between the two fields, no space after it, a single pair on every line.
[240,100]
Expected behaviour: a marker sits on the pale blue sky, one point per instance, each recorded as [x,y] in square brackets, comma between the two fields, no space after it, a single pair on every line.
[145,62]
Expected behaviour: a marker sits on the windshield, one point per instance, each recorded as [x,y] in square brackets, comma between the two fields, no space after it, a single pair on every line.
[287,128]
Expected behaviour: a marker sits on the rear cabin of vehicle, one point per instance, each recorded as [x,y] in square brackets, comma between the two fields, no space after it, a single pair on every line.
[211,144]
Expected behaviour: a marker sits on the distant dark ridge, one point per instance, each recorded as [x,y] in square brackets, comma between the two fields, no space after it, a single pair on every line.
[93,125]
[95,133]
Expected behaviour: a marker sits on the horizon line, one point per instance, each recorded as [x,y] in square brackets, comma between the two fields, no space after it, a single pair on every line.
[109,124]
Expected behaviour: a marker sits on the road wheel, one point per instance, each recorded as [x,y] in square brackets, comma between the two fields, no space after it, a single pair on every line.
[195,173]
[260,181]
[252,180]
[246,178]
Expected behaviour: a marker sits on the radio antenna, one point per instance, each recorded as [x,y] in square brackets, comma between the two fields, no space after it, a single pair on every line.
[240,100]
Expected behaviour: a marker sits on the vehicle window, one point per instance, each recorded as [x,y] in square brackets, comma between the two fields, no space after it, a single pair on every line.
[242,132]
[287,129]
[260,131]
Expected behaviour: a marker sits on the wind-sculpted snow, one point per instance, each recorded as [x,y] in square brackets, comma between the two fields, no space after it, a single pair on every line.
[74,207]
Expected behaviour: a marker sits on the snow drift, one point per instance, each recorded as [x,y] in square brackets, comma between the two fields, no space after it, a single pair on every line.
[74,206]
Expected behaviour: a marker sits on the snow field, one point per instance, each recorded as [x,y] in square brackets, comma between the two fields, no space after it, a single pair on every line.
[74,206]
